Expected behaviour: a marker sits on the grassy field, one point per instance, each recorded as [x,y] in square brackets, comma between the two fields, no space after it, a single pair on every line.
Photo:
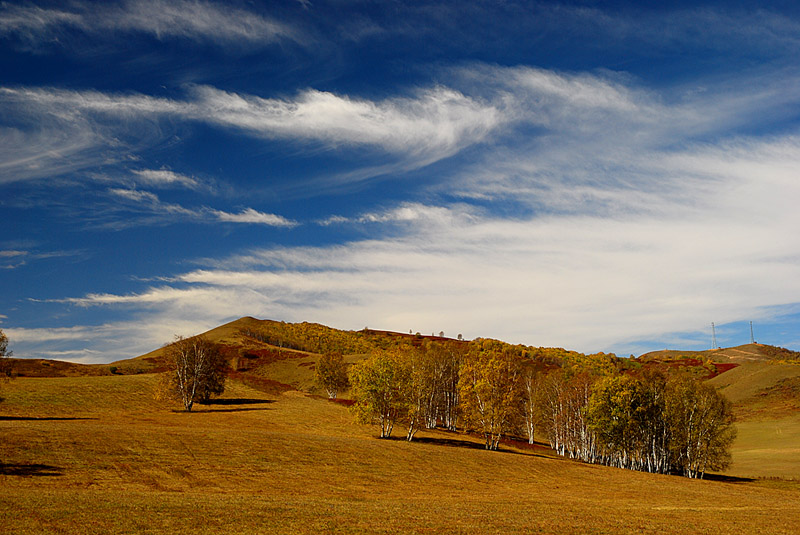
[98,455]
[767,448]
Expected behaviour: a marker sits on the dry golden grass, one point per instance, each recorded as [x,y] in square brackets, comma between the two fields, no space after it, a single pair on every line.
[98,455]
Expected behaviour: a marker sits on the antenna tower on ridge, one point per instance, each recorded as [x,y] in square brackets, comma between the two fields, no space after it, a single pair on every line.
[752,339]
[713,336]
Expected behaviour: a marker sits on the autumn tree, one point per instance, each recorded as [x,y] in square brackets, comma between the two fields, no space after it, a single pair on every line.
[651,424]
[443,368]
[5,364]
[563,398]
[331,374]
[656,434]
[4,352]
[197,370]
[618,413]
[489,390]
[528,404]
[379,386]
[701,423]
[419,388]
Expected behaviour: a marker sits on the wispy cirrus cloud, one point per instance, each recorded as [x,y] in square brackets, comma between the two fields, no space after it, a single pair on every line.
[431,125]
[150,204]
[584,282]
[165,178]
[679,218]
[16,258]
[409,212]
[249,215]
[91,344]
[184,19]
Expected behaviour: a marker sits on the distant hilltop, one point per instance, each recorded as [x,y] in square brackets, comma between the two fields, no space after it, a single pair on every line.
[739,354]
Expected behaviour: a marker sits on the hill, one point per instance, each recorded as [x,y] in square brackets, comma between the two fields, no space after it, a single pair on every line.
[99,455]
[763,383]
[274,357]
[739,354]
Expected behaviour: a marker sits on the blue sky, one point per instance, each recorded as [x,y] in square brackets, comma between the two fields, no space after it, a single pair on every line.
[600,176]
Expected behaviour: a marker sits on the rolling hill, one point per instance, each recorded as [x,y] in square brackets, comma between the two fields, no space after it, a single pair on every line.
[85,450]
[763,382]
[96,454]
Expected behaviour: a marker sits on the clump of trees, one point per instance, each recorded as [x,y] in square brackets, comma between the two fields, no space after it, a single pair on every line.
[645,422]
[415,385]
[196,371]
[331,374]
[596,409]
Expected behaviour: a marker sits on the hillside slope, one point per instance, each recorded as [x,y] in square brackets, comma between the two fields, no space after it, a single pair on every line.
[99,455]
[740,354]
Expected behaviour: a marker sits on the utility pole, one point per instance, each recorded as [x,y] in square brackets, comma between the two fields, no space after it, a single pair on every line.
[752,338]
[713,336]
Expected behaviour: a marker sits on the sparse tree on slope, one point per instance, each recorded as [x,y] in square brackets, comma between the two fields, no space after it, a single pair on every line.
[4,352]
[5,365]
[197,370]
[331,374]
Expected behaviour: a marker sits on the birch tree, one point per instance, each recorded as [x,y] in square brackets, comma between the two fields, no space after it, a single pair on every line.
[379,385]
[563,402]
[421,382]
[197,370]
[489,391]
[331,374]
[5,364]
[444,365]
[530,406]
[701,423]
[4,352]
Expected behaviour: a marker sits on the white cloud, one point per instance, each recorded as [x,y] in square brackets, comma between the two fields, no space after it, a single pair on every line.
[249,215]
[583,281]
[103,343]
[641,213]
[433,124]
[150,203]
[13,258]
[166,178]
[410,212]
[189,19]
[90,127]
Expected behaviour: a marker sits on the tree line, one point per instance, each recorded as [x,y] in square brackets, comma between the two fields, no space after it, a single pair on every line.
[589,409]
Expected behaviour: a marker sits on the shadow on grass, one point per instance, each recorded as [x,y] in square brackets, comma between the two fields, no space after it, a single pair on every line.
[41,419]
[212,411]
[453,443]
[238,401]
[30,470]
[728,479]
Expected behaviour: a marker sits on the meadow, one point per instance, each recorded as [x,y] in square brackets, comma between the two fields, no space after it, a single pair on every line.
[99,455]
